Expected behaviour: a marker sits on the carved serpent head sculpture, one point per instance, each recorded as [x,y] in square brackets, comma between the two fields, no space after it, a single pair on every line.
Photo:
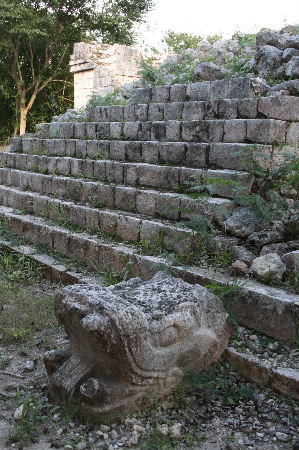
[133,342]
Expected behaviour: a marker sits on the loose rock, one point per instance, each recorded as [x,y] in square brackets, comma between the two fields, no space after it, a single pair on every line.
[291,260]
[243,222]
[268,268]
[208,71]
[240,268]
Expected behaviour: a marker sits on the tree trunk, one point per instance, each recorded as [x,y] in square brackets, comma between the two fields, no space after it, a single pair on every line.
[23,119]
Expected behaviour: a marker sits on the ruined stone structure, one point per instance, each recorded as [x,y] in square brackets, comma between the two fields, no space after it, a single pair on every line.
[132,343]
[102,68]
[110,190]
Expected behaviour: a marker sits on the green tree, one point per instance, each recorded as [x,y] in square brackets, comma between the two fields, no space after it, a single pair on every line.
[37,37]
[181,41]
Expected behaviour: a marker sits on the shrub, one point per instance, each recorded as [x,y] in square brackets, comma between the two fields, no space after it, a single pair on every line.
[174,70]
[179,42]
[111,99]
[214,38]
[245,39]
[151,74]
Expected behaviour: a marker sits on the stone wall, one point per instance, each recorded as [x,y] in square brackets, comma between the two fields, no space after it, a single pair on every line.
[102,68]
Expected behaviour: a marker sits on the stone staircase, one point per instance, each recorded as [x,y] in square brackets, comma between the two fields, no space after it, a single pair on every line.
[114,191]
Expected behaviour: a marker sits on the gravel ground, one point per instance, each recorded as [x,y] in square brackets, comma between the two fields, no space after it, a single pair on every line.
[277,353]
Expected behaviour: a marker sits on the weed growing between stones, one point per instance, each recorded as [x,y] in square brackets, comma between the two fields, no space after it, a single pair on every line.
[178,42]
[8,235]
[32,416]
[154,247]
[111,277]
[228,293]
[219,388]
[19,267]
[4,361]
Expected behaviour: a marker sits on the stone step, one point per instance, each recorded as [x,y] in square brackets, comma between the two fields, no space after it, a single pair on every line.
[146,202]
[241,87]
[115,224]
[257,131]
[267,309]
[278,107]
[53,268]
[221,183]
[265,360]
[213,155]
[283,379]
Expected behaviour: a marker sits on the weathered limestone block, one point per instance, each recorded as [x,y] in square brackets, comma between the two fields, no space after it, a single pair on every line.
[178,92]
[194,111]
[172,153]
[227,109]
[156,112]
[266,131]
[132,343]
[219,89]
[280,107]
[141,113]
[160,94]
[173,111]
[267,60]
[292,67]
[173,130]
[208,71]
[198,91]
[268,267]
[116,130]
[15,144]
[196,154]
[158,131]
[269,37]
[235,130]
[145,131]
[141,95]
[243,222]
[150,152]
[247,108]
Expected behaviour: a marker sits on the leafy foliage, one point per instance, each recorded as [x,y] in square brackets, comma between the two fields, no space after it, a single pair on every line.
[245,39]
[269,200]
[110,99]
[150,73]
[171,71]
[36,40]
[239,66]
[177,42]
[214,38]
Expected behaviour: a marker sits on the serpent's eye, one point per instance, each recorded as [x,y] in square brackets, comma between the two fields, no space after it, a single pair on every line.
[168,336]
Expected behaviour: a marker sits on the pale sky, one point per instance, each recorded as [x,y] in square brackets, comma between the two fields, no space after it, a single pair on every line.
[217,17]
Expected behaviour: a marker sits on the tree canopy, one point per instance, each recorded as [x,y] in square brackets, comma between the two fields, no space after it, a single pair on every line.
[37,37]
